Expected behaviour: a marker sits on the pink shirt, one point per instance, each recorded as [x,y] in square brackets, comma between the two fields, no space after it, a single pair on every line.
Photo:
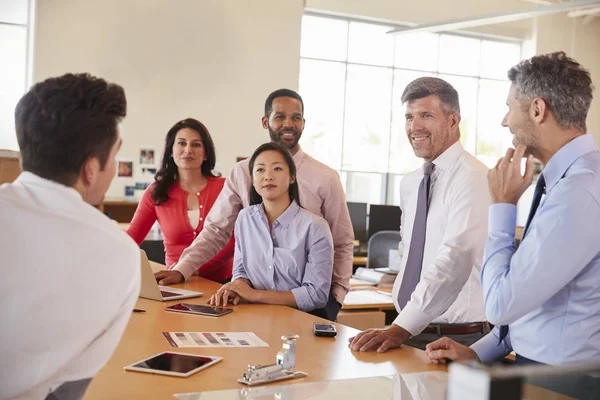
[321,193]
[176,229]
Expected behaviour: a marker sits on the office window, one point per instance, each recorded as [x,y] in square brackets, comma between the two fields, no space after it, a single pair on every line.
[352,75]
[14,76]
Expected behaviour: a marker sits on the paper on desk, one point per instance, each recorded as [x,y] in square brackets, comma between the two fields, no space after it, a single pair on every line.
[354,282]
[213,339]
[367,297]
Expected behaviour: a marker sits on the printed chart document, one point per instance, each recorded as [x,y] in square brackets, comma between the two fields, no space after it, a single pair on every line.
[214,339]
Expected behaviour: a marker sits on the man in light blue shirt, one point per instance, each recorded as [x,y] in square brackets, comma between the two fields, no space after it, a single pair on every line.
[543,297]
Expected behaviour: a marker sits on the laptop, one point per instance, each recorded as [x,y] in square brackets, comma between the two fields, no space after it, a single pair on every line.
[151,290]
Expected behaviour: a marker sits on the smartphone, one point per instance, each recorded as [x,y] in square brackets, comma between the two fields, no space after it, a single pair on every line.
[327,330]
[199,309]
[174,364]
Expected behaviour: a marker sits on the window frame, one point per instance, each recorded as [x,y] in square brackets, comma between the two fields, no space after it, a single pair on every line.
[386,197]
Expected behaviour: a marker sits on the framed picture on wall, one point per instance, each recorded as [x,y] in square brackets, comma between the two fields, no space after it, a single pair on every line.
[147,157]
[125,169]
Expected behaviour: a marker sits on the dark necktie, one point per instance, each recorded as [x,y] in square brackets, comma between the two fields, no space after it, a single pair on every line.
[540,189]
[414,263]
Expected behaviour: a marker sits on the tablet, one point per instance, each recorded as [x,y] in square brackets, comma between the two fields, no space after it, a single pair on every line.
[174,364]
[199,309]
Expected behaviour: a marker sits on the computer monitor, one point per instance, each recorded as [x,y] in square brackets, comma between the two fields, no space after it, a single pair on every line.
[383,218]
[358,216]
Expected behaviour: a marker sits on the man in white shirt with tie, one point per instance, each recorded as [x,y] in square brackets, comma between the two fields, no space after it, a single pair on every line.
[70,276]
[444,223]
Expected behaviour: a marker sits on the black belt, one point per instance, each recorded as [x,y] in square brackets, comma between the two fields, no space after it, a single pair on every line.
[456,329]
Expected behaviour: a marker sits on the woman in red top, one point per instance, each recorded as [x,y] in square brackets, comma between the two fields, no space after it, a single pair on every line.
[183,193]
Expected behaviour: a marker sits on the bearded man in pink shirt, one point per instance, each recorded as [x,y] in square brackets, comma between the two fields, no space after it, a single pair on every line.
[321,193]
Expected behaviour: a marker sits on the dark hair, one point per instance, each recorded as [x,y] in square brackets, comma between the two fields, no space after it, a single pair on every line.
[426,86]
[167,174]
[281,93]
[62,122]
[562,82]
[294,192]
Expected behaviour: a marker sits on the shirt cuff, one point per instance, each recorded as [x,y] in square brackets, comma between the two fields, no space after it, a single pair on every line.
[184,269]
[487,348]
[239,275]
[339,293]
[503,218]
[412,319]
[302,298]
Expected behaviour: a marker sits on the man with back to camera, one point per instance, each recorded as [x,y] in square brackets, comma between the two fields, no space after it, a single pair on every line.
[321,193]
[543,297]
[71,276]
[444,220]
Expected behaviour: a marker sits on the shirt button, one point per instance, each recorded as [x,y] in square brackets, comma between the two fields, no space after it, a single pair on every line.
[270,266]
[200,218]
[200,205]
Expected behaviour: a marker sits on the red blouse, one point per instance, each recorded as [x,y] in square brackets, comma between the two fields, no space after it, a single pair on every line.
[175,226]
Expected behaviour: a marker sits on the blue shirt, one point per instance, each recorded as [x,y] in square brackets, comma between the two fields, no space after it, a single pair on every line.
[548,290]
[296,255]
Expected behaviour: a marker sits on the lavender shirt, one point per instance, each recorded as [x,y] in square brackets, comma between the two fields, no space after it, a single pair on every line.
[321,193]
[296,255]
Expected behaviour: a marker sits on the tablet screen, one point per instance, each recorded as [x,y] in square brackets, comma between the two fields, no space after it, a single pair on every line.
[173,362]
[200,309]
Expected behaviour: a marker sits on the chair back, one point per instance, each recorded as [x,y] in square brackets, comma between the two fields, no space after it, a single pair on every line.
[380,245]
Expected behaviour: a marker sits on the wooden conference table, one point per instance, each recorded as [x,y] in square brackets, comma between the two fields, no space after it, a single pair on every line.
[322,358]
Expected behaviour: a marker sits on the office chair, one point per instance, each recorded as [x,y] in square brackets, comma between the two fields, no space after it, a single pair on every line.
[380,245]
[155,250]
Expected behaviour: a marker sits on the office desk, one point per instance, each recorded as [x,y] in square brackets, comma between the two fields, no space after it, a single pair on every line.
[119,209]
[321,358]
[364,309]
[359,260]
[367,299]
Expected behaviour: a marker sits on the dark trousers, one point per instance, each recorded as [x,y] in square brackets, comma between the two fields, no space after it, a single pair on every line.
[423,339]
[584,386]
[331,310]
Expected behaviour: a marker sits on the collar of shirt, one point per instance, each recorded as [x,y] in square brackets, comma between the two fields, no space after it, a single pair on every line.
[563,159]
[31,179]
[284,219]
[298,158]
[448,158]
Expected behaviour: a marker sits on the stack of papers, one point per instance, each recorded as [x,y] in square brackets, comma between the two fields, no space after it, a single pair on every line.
[378,278]
[360,284]
[367,297]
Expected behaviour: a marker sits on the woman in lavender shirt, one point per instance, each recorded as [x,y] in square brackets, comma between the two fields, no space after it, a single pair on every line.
[283,253]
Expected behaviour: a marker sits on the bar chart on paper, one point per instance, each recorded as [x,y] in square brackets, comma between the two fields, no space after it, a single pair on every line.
[214,339]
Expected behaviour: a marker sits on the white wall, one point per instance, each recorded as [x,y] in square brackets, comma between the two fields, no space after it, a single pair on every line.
[214,60]
[217,60]
[429,11]
[582,42]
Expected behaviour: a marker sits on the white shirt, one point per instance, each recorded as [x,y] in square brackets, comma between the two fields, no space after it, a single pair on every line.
[194,217]
[449,290]
[70,278]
